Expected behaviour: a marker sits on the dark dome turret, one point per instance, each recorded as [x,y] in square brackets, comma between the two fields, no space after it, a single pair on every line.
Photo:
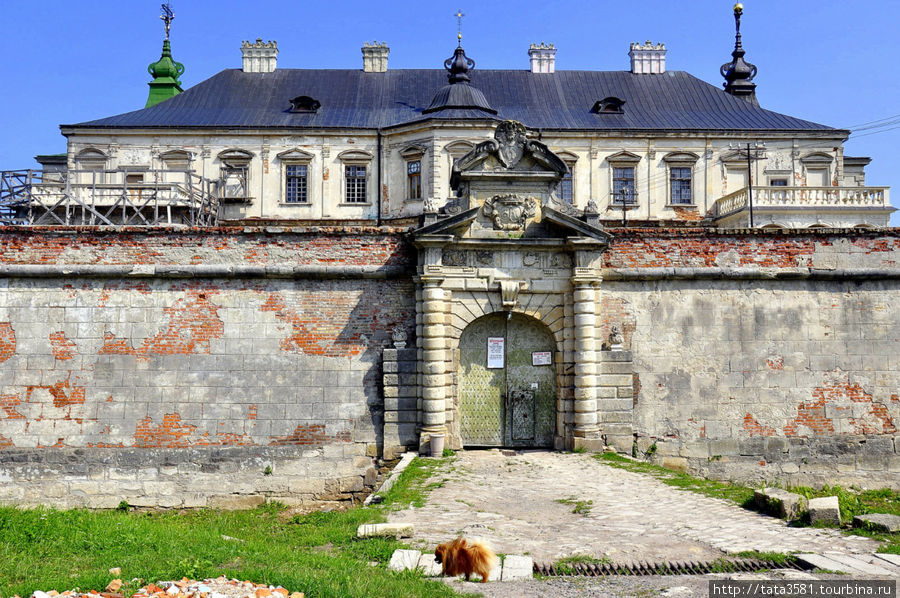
[738,73]
[459,94]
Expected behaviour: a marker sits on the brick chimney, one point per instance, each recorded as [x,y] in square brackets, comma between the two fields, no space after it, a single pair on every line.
[259,57]
[375,57]
[648,59]
[543,58]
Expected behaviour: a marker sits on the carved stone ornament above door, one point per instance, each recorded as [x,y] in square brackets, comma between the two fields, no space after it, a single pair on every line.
[509,212]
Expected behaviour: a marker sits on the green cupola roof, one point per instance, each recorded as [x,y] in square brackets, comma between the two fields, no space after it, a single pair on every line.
[165,71]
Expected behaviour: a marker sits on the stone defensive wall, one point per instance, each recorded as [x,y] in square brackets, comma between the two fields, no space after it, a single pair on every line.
[225,366]
[762,355]
[206,367]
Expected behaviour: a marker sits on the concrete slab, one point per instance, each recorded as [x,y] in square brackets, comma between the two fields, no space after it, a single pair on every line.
[428,566]
[859,565]
[517,567]
[893,559]
[404,559]
[825,510]
[822,562]
[880,522]
[395,530]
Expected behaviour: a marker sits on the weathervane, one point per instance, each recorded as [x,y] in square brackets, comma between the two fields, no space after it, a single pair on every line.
[167,17]
[459,17]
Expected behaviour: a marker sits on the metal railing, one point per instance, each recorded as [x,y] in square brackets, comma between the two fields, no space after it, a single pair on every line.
[800,197]
[107,197]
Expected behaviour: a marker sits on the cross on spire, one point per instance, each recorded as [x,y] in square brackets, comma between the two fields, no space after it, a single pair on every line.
[459,17]
[167,17]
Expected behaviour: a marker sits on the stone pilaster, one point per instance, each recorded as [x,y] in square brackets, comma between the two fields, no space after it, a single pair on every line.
[434,377]
[585,308]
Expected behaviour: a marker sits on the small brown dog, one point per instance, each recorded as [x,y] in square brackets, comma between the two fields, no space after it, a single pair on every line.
[463,556]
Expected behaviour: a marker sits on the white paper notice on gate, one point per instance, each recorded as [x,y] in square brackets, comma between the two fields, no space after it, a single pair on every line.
[495,353]
[540,358]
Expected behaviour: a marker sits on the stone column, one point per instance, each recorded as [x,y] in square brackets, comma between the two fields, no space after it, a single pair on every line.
[434,379]
[585,308]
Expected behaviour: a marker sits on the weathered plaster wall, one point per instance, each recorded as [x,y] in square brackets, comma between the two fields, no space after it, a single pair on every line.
[739,373]
[132,374]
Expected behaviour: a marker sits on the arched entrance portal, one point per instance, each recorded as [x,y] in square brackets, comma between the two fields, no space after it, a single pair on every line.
[507,382]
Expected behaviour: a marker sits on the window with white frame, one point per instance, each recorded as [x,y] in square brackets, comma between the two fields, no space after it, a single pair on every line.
[355,178]
[623,185]
[295,183]
[295,170]
[91,165]
[680,185]
[623,188]
[414,179]
[566,187]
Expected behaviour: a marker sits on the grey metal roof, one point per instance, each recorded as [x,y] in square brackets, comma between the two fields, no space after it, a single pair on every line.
[674,100]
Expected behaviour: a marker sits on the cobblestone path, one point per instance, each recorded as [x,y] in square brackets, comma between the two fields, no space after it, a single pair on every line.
[524,503]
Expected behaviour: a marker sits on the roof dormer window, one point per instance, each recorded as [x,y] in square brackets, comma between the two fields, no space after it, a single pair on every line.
[609,105]
[305,105]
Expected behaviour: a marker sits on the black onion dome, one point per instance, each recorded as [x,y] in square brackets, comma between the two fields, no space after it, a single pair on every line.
[459,94]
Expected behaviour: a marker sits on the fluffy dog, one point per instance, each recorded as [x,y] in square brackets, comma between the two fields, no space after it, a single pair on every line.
[463,556]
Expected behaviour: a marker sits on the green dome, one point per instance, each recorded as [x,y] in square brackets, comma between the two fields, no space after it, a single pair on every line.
[165,72]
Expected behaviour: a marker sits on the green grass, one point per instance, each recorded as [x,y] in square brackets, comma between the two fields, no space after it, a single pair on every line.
[45,549]
[579,507]
[735,493]
[566,566]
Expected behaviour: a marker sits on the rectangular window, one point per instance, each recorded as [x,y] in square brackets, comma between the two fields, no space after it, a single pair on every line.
[235,181]
[681,185]
[623,185]
[414,179]
[295,183]
[778,182]
[356,183]
[565,187]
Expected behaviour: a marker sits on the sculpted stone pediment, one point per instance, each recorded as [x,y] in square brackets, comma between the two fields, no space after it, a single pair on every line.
[509,147]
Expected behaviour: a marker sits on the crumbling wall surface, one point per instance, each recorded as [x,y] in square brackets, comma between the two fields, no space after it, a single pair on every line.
[215,367]
[763,356]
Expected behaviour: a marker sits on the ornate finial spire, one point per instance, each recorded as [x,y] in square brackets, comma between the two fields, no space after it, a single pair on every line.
[165,71]
[459,17]
[459,66]
[167,17]
[738,73]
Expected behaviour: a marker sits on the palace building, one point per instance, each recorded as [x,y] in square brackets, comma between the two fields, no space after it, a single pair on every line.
[300,271]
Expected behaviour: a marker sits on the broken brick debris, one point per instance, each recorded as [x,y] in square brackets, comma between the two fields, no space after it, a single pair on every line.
[221,587]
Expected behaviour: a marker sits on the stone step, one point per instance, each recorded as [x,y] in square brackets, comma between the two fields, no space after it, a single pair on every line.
[859,564]
[395,530]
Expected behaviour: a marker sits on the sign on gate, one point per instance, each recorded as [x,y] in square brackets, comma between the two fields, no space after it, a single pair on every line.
[495,353]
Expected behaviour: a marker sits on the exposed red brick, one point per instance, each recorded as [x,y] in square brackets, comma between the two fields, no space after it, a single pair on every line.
[7,341]
[63,349]
[5,442]
[775,363]
[8,404]
[616,312]
[171,433]
[63,395]
[686,214]
[310,434]
[754,428]
[193,322]
[840,393]
[251,412]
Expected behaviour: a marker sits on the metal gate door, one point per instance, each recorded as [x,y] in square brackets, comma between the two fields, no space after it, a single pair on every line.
[507,398]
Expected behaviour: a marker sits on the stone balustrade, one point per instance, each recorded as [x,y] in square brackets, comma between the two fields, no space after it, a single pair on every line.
[789,197]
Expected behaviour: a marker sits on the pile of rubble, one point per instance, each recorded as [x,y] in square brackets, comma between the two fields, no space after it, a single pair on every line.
[221,587]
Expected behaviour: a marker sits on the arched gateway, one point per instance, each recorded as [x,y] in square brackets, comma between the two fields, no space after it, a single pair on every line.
[507,305]
[507,382]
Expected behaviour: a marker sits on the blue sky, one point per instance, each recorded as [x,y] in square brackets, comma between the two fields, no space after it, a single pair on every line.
[830,61]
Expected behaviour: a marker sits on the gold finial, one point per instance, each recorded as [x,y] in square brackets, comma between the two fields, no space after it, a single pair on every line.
[459,16]
[738,8]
